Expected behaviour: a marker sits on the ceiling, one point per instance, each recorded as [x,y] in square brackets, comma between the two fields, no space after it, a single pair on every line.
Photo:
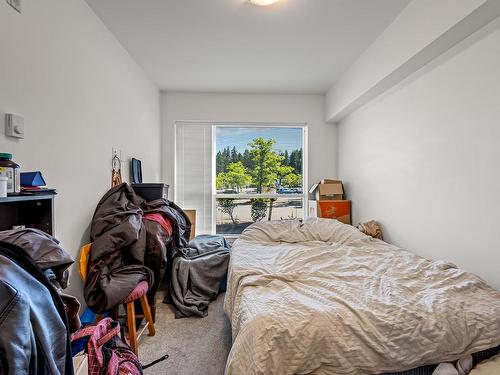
[294,46]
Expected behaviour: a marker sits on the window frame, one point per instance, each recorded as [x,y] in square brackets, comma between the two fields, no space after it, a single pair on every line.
[215,195]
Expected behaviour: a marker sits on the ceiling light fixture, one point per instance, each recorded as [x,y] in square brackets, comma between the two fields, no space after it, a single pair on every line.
[263,3]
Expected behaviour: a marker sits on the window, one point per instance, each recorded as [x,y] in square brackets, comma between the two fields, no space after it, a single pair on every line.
[235,175]
[193,172]
[258,175]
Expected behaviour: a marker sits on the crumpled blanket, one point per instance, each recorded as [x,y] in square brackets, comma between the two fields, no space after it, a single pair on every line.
[197,272]
[490,366]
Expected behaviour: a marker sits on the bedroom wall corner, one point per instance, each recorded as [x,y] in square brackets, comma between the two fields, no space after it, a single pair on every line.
[80,94]
[423,158]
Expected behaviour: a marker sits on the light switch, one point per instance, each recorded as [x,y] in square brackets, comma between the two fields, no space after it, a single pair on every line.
[14,126]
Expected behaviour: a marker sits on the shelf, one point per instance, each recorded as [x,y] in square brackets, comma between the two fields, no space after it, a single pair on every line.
[29,211]
[26,198]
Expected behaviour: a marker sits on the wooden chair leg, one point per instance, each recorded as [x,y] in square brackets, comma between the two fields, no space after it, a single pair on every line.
[147,314]
[132,330]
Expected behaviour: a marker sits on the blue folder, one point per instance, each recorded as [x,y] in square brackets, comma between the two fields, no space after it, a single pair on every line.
[32,179]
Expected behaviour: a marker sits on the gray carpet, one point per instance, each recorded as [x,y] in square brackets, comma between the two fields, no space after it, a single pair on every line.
[196,346]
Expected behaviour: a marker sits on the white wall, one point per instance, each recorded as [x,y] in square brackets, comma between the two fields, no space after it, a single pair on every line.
[252,108]
[404,47]
[423,159]
[81,94]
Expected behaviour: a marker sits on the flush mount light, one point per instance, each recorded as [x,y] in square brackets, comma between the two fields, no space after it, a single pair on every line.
[263,3]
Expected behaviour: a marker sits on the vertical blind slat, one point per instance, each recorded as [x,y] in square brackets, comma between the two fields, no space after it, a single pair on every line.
[193,161]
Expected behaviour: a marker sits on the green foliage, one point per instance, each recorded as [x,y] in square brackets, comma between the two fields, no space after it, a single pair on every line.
[227,206]
[236,177]
[227,156]
[267,163]
[295,161]
[292,180]
[283,171]
[258,209]
[259,166]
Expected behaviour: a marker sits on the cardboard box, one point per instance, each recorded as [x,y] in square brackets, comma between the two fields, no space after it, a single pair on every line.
[327,190]
[328,201]
[335,209]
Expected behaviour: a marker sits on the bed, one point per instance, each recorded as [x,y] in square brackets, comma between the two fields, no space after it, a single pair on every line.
[321,297]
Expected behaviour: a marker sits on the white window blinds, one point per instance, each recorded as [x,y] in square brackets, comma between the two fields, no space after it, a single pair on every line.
[193,172]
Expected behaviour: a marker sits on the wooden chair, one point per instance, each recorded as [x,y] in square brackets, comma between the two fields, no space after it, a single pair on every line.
[139,293]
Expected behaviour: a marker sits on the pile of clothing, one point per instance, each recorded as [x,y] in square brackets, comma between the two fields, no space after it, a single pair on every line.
[199,273]
[134,240]
[36,317]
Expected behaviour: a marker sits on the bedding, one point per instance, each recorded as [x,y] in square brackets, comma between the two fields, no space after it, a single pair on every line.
[323,298]
[488,367]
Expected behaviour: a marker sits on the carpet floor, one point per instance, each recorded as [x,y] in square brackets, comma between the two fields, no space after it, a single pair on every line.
[196,346]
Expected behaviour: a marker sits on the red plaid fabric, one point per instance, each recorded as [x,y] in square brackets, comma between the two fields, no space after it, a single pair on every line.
[119,358]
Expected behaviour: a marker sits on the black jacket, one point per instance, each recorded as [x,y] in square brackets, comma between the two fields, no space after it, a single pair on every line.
[119,258]
[34,330]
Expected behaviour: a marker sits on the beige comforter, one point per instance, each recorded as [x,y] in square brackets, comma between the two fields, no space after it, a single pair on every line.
[324,298]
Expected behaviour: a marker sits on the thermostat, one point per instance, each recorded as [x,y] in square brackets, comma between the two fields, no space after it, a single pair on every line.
[14,126]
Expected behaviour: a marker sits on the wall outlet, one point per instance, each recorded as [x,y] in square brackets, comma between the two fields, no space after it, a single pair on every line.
[16,4]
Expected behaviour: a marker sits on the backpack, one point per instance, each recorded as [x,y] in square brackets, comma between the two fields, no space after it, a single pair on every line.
[107,353]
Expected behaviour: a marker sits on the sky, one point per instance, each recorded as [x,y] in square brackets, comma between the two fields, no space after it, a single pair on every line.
[286,138]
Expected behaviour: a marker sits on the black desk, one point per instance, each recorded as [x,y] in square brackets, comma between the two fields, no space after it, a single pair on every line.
[32,211]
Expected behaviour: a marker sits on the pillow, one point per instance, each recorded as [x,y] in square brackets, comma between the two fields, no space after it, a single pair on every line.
[273,231]
[330,230]
[313,229]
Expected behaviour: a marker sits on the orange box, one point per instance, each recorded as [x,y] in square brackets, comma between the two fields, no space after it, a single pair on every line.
[338,209]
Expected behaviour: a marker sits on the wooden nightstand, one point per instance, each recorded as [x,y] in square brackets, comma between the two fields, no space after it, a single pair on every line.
[191,214]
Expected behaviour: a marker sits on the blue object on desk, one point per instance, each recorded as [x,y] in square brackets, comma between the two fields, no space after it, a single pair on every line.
[32,179]
[88,318]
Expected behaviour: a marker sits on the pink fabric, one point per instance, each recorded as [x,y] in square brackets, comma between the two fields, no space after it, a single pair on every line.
[120,362]
[160,219]
[99,334]
[140,290]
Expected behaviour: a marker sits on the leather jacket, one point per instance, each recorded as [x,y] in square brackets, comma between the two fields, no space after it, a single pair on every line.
[34,335]
[116,263]
[126,249]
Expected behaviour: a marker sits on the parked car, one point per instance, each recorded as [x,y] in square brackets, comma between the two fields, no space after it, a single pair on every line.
[285,190]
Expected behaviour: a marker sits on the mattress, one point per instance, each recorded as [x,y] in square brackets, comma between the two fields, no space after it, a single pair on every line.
[322,298]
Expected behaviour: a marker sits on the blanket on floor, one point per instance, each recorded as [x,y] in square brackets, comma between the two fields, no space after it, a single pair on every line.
[197,272]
